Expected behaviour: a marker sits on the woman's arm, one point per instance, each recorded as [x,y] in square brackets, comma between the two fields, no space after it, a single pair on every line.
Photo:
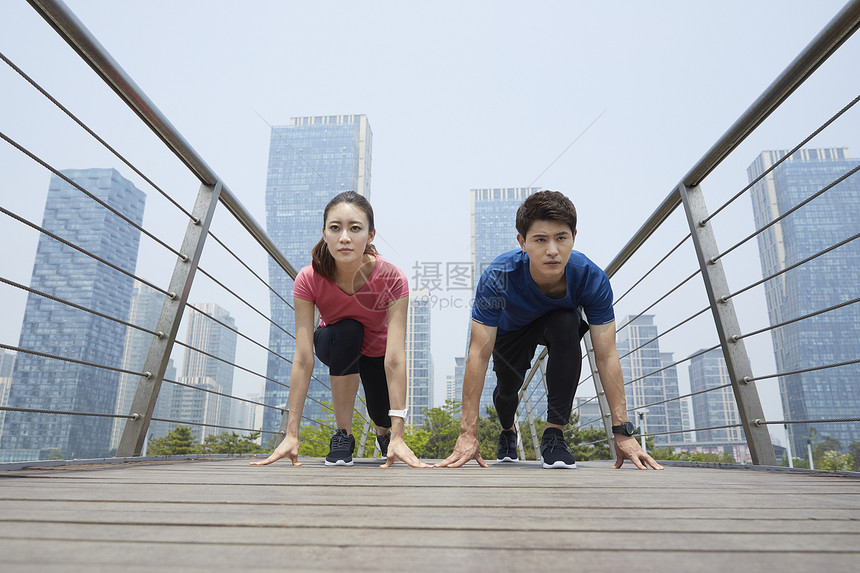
[395,373]
[300,378]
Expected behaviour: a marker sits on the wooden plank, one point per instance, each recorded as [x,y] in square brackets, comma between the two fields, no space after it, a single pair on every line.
[223,514]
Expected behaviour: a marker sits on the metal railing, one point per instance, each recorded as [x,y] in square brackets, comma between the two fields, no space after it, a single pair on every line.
[149,378]
[708,264]
[698,240]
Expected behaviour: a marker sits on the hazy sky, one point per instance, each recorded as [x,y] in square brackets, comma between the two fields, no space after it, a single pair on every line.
[459,95]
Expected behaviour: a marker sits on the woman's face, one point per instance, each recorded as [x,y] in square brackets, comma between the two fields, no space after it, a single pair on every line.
[347,233]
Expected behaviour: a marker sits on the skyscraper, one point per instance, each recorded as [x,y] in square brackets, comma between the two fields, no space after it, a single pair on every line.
[419,362]
[7,362]
[828,280]
[56,329]
[717,407]
[202,370]
[146,305]
[649,379]
[493,221]
[311,160]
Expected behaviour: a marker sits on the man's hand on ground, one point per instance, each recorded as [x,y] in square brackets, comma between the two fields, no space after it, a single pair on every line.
[467,448]
[627,447]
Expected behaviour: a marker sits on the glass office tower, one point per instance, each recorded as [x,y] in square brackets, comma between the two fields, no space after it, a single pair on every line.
[717,407]
[823,282]
[53,328]
[311,160]
[419,362]
[494,231]
[649,379]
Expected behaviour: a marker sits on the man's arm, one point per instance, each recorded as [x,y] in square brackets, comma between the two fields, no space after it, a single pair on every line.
[609,367]
[481,341]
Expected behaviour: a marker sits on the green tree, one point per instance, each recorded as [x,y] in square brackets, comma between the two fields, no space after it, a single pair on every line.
[443,428]
[668,453]
[416,439]
[179,441]
[232,443]
[854,450]
[835,461]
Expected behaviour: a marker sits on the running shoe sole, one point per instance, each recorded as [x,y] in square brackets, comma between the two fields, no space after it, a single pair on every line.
[558,464]
[508,459]
[338,463]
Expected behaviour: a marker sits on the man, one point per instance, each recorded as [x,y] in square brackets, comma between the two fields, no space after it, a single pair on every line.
[533,296]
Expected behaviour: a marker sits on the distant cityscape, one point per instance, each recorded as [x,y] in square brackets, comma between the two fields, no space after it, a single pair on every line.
[310,160]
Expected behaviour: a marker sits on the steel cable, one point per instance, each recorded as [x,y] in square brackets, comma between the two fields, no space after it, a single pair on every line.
[208,391]
[660,262]
[643,345]
[804,370]
[67,413]
[83,251]
[96,137]
[74,361]
[786,214]
[798,319]
[90,195]
[792,267]
[250,270]
[79,307]
[704,221]
[659,300]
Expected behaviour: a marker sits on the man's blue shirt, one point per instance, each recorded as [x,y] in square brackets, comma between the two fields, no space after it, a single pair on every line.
[508,298]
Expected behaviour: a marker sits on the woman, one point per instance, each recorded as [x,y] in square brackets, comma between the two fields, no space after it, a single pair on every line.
[362,300]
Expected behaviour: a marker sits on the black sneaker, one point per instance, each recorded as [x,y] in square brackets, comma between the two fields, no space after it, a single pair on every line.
[554,451]
[507,450]
[382,443]
[341,447]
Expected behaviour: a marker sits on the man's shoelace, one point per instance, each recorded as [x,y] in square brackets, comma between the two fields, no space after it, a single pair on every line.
[554,441]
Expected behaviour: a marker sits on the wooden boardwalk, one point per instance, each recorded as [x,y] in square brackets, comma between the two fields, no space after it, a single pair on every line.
[223,515]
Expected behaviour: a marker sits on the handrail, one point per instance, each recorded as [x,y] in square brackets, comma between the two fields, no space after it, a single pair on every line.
[833,35]
[73,31]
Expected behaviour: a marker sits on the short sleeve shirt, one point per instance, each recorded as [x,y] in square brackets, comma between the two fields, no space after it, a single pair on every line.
[369,305]
[508,298]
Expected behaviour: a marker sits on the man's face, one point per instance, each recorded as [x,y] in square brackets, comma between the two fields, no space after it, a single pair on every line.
[548,245]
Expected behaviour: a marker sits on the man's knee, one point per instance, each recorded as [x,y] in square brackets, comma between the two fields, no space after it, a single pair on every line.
[563,320]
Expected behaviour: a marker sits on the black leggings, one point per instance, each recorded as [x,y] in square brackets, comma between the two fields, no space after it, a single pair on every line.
[560,331]
[338,346]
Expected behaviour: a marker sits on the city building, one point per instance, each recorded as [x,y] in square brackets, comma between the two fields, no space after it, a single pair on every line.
[146,303]
[248,415]
[7,361]
[493,232]
[209,368]
[419,362]
[828,280]
[59,330]
[311,159]
[589,413]
[716,407]
[650,379]
[451,388]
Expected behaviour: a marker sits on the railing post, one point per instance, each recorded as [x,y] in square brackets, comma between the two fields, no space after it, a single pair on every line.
[364,432]
[528,404]
[602,402]
[134,434]
[728,328]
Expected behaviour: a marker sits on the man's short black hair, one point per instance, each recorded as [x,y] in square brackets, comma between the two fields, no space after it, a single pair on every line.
[546,206]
